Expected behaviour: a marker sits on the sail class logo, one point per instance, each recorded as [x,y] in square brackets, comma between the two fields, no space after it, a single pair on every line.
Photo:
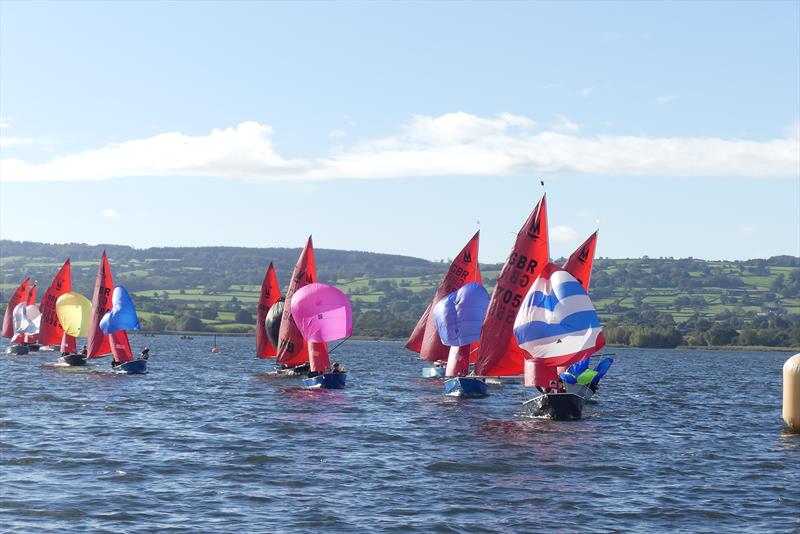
[584,255]
[467,257]
[535,229]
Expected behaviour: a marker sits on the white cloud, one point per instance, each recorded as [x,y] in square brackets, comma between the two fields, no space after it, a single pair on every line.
[562,234]
[4,123]
[6,142]
[586,92]
[337,134]
[454,144]
[748,231]
[565,125]
[109,213]
[661,100]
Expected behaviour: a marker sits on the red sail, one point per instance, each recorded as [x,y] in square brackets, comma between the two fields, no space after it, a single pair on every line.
[270,293]
[292,348]
[499,354]
[579,264]
[464,269]
[318,358]
[20,295]
[120,346]
[68,344]
[98,344]
[50,331]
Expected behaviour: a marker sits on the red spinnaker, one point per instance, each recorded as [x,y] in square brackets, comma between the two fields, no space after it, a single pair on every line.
[499,354]
[20,295]
[579,264]
[292,348]
[464,269]
[270,293]
[98,344]
[50,331]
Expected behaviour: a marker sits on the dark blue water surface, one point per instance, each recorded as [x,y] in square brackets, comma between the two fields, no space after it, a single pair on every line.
[680,441]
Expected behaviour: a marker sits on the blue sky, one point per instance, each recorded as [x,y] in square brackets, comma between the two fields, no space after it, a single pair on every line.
[394,127]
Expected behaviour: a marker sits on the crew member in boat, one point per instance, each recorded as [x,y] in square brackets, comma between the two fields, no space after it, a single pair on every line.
[84,351]
[337,368]
[145,354]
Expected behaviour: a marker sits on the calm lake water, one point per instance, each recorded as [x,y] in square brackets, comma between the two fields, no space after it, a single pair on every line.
[680,441]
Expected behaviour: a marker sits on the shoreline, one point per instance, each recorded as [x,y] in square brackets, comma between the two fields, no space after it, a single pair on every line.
[757,348]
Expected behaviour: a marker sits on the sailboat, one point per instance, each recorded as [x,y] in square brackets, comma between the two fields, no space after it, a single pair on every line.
[74,314]
[425,338]
[499,354]
[270,294]
[51,333]
[322,313]
[578,378]
[30,318]
[459,317]
[557,325]
[115,310]
[293,354]
[19,296]
[26,317]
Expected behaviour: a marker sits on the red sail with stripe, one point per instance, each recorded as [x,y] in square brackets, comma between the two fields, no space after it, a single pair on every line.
[292,348]
[580,262]
[464,269]
[50,331]
[499,354]
[20,295]
[270,294]
[98,344]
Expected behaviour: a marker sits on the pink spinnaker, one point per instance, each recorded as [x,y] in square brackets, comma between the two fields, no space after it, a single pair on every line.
[322,313]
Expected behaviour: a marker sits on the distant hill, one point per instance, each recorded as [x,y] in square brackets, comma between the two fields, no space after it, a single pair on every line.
[643,302]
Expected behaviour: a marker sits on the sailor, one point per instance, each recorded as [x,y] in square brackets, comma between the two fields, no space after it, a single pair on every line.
[114,363]
[145,354]
[84,351]
[336,368]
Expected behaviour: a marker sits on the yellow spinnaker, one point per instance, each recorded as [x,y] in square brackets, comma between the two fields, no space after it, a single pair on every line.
[74,311]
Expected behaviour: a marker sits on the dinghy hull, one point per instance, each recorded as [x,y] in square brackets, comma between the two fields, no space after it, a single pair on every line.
[471,388]
[582,391]
[133,367]
[73,359]
[433,372]
[17,350]
[326,381]
[557,406]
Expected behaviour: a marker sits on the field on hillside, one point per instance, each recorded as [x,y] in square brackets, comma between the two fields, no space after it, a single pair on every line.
[192,292]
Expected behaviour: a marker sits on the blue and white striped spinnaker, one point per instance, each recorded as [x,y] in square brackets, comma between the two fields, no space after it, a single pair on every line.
[557,321]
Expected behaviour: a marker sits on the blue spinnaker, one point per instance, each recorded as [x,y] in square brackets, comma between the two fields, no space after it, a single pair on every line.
[122,315]
[577,368]
[459,315]
[602,369]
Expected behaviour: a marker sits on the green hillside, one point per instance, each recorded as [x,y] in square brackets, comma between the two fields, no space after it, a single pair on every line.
[643,302]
